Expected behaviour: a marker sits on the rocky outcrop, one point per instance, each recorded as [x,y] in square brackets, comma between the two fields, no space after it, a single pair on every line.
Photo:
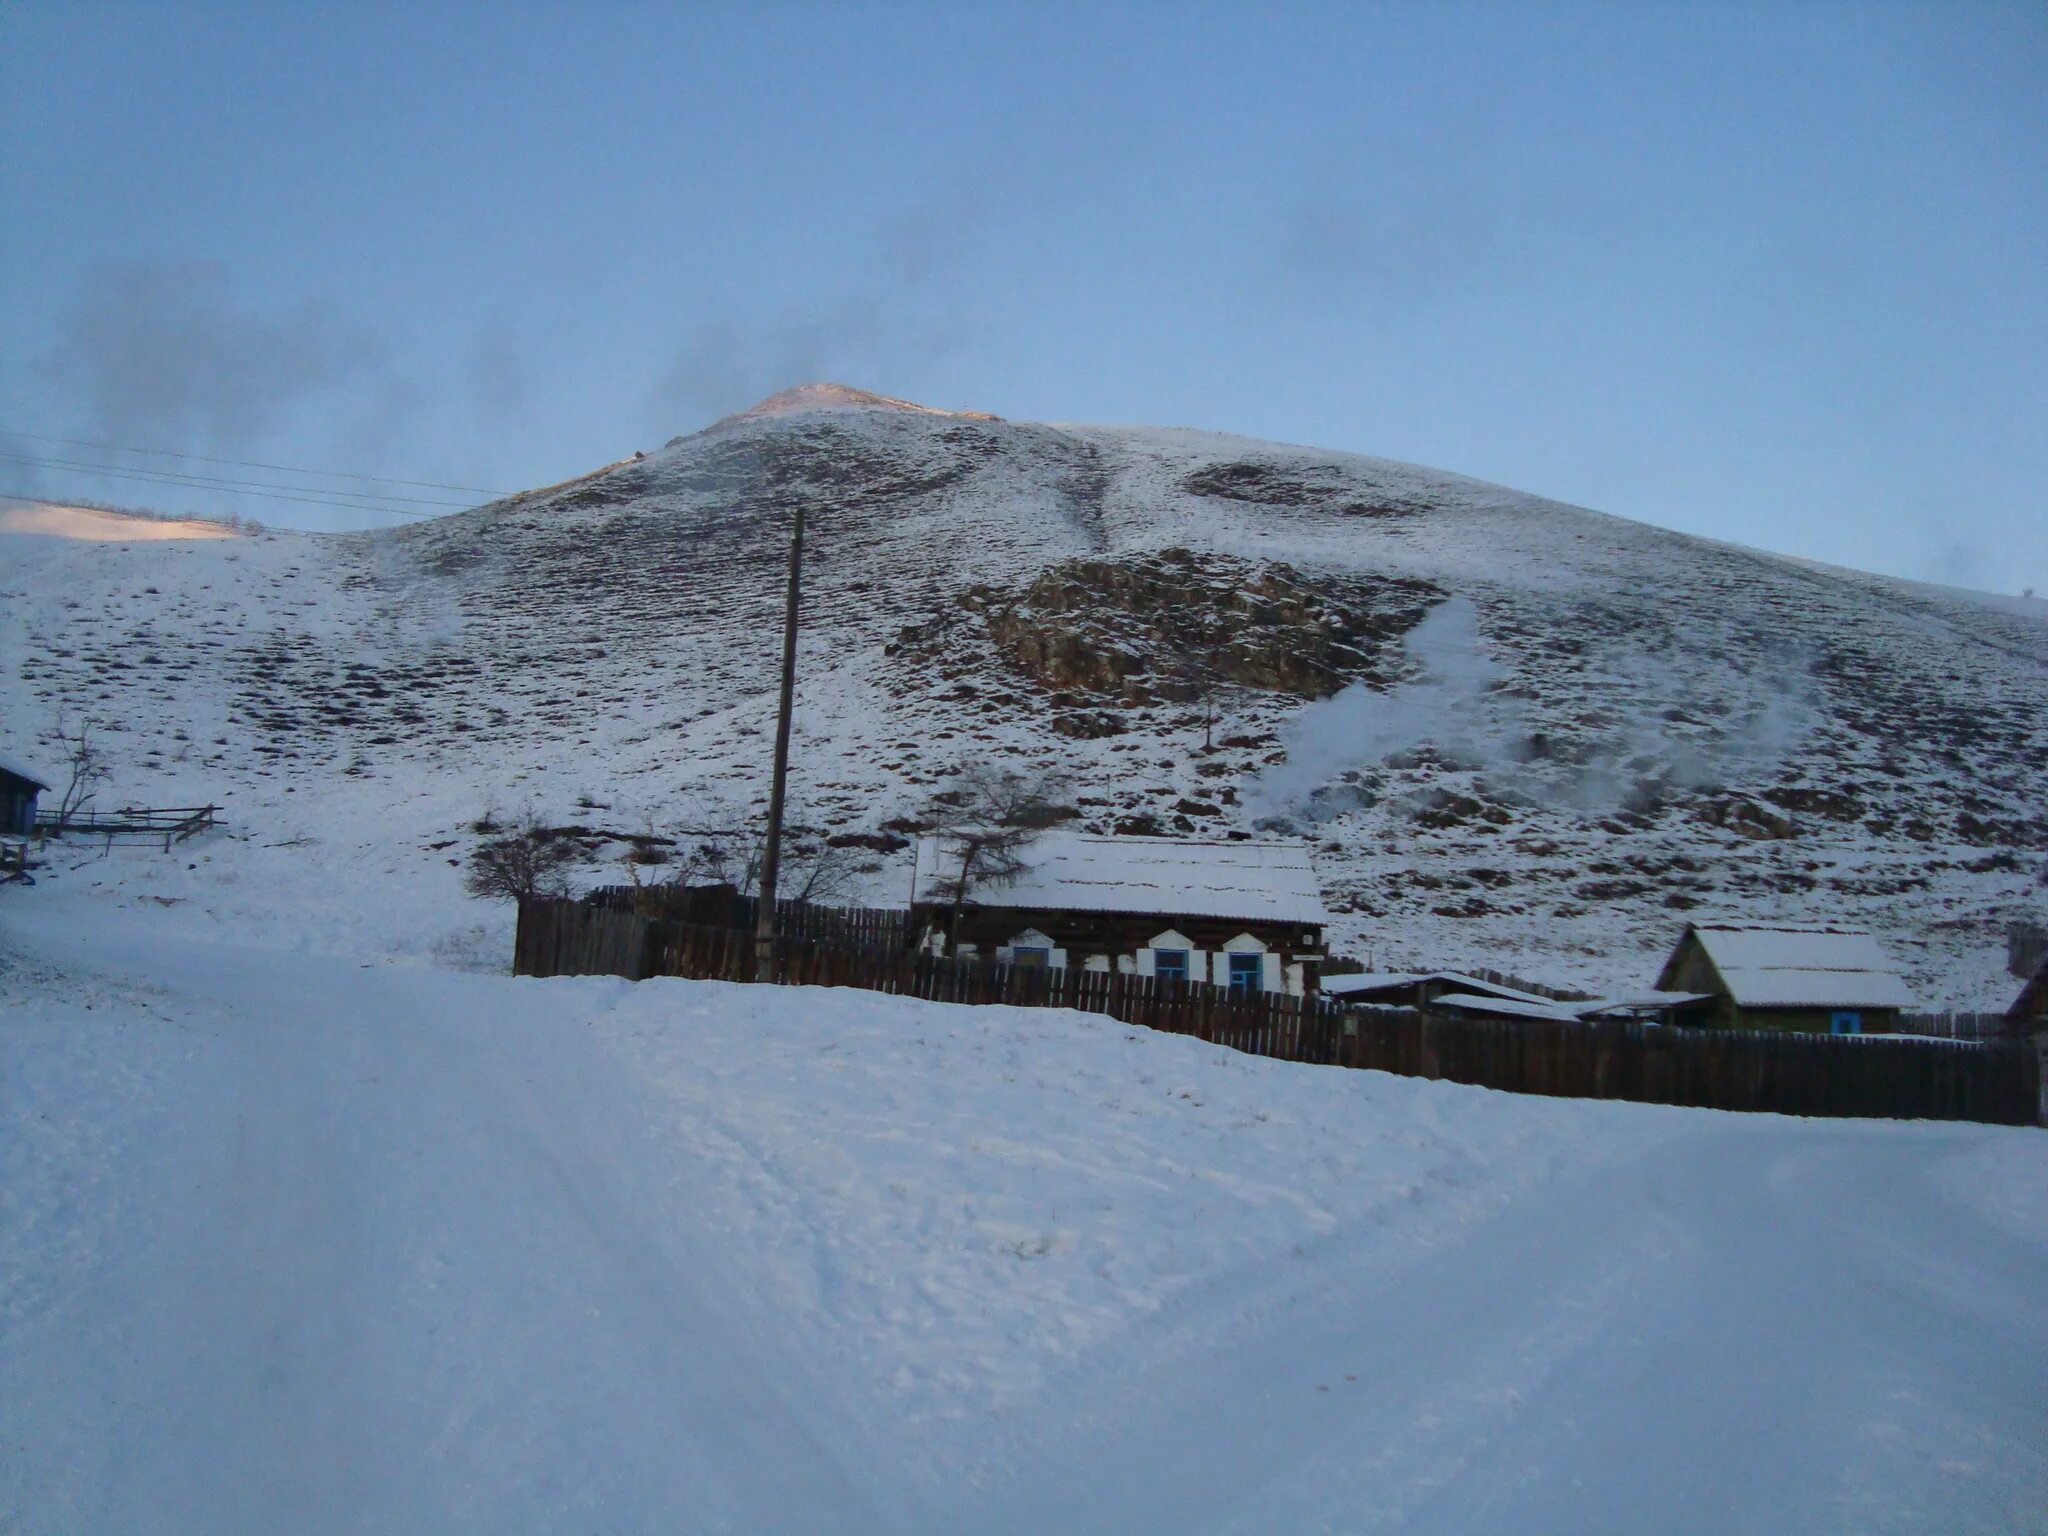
[1172,625]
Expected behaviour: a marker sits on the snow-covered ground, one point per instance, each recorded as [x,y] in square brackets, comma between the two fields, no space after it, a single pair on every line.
[295,1238]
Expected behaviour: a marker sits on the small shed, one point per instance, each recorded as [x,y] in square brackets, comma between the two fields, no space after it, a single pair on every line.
[1479,1005]
[1420,989]
[1648,1007]
[18,791]
[1822,978]
[1247,915]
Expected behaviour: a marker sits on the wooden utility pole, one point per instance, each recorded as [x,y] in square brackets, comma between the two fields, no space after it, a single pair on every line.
[771,853]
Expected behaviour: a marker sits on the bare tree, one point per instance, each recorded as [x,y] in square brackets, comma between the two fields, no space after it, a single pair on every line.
[87,767]
[817,871]
[528,859]
[1197,674]
[731,854]
[985,819]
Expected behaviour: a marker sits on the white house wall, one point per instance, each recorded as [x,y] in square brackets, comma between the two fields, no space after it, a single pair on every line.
[1276,973]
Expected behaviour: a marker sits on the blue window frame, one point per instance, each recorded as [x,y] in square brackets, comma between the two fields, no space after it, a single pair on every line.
[1245,973]
[1845,1024]
[1170,964]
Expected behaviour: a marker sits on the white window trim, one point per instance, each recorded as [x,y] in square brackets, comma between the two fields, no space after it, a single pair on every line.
[1031,938]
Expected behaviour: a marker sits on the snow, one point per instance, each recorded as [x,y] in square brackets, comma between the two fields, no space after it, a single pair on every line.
[311,1219]
[1270,881]
[320,1241]
[1806,967]
[96,526]
[1628,1004]
[1387,981]
[21,771]
[1511,1007]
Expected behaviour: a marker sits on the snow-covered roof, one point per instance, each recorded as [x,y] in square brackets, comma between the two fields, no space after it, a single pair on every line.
[1513,1007]
[1173,876]
[1392,981]
[1778,966]
[1639,1002]
[9,765]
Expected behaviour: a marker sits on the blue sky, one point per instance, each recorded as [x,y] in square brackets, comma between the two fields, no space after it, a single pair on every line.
[1776,274]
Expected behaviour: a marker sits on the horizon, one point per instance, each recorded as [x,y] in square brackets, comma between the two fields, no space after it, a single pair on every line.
[1667,266]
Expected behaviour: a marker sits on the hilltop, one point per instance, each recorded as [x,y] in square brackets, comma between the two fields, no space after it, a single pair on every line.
[1518,732]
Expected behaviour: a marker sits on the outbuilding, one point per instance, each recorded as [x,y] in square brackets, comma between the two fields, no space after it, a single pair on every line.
[2028,1014]
[1824,979]
[1247,915]
[1421,989]
[18,791]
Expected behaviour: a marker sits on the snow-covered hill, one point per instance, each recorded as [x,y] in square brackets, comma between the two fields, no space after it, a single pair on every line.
[1520,733]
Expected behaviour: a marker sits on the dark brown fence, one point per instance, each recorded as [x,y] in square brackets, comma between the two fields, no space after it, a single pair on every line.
[1795,1074]
[722,906]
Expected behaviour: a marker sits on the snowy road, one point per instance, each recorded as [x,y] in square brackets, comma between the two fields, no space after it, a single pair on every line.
[296,1244]
[1790,1334]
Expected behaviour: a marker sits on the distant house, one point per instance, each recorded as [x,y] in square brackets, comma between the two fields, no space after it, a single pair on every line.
[1776,976]
[18,791]
[2029,1011]
[1244,915]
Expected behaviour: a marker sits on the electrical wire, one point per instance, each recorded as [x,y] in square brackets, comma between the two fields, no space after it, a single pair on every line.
[310,501]
[289,469]
[222,483]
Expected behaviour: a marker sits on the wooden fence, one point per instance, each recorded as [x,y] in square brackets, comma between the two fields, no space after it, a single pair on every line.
[1951,1026]
[722,906]
[171,823]
[1797,1074]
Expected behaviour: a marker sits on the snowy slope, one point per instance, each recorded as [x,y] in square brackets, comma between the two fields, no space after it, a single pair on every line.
[298,1243]
[1531,737]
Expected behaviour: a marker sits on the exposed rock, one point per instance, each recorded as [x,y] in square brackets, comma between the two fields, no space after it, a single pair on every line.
[1328,488]
[1172,625]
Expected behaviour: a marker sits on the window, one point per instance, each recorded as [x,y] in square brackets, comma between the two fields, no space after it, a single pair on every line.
[1845,1024]
[1170,964]
[1036,955]
[1244,973]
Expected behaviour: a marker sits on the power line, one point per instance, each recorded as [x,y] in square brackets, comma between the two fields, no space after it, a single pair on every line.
[289,469]
[310,501]
[223,483]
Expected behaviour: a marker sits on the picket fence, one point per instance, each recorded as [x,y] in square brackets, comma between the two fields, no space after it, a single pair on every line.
[1994,1081]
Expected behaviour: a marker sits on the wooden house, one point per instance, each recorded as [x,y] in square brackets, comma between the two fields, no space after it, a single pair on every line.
[1245,915]
[18,791]
[1824,979]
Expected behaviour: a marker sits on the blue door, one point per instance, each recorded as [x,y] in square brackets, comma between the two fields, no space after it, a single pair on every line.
[1845,1023]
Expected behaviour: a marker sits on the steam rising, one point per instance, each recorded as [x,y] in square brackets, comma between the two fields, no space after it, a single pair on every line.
[1450,704]
[1576,752]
